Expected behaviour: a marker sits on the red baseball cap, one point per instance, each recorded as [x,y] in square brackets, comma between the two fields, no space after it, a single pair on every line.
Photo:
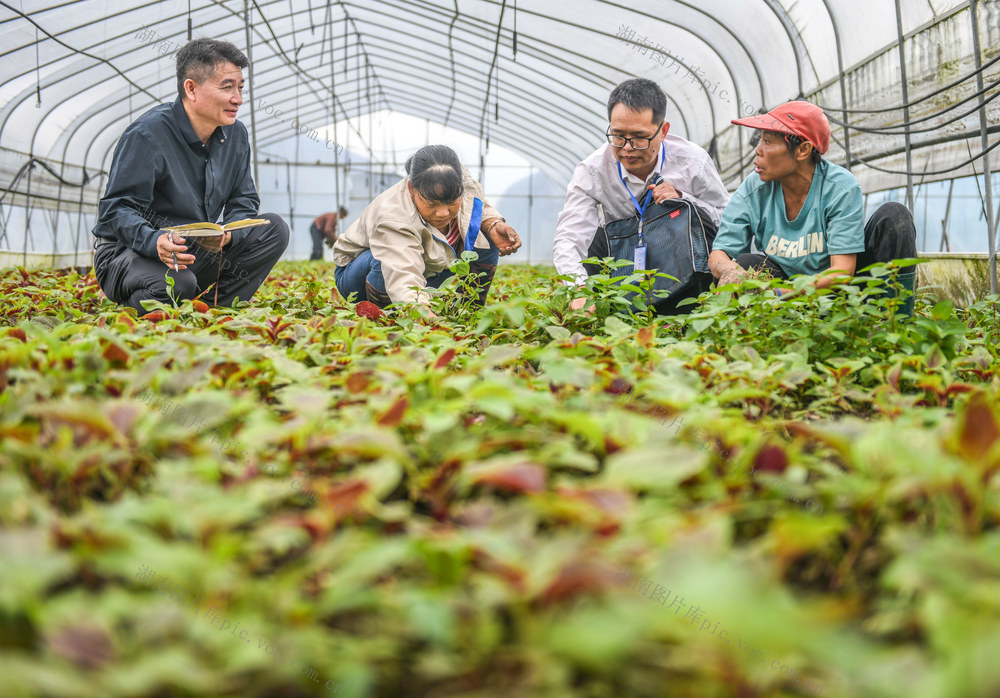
[802,119]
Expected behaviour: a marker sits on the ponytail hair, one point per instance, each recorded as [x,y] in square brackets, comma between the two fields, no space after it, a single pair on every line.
[436,173]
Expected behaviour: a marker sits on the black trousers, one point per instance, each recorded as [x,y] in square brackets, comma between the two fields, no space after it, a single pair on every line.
[317,239]
[128,278]
[889,234]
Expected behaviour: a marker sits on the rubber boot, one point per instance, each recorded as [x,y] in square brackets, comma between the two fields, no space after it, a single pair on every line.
[377,297]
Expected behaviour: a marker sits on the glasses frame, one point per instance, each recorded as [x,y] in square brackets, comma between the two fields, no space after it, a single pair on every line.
[630,141]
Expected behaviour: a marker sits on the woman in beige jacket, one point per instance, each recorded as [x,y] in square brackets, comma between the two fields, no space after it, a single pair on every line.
[406,238]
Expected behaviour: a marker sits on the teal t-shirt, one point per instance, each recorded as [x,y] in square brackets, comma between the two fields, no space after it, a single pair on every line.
[831,221]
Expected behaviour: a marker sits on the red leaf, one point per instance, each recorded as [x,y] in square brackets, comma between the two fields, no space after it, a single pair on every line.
[521,478]
[577,578]
[489,564]
[356,383]
[17,332]
[154,316]
[343,498]
[369,310]
[771,459]
[115,354]
[394,415]
[200,306]
[441,488]
[645,336]
[979,429]
[893,376]
[614,502]
[445,359]
[126,320]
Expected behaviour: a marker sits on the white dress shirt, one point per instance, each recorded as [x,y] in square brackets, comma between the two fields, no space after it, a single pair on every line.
[686,167]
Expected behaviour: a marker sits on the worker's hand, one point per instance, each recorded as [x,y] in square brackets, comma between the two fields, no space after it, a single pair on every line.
[663,191]
[173,254]
[732,275]
[215,243]
[578,303]
[505,238]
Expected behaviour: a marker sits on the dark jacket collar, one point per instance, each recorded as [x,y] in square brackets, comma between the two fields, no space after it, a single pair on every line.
[187,130]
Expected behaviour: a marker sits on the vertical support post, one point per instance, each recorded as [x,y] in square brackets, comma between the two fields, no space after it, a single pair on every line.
[531,204]
[843,104]
[333,117]
[991,223]
[253,112]
[923,244]
[945,243]
[27,209]
[906,107]
[79,225]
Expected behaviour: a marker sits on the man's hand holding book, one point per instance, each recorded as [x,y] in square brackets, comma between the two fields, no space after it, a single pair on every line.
[213,237]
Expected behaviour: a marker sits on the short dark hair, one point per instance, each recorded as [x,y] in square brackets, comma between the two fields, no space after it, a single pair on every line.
[638,94]
[198,59]
[436,173]
[792,142]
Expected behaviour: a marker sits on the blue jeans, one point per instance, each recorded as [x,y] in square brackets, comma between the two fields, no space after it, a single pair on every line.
[363,276]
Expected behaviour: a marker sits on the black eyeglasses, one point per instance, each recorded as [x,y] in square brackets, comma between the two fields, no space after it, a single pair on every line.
[637,142]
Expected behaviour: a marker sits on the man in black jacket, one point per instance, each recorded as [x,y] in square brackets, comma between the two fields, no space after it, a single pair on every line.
[180,163]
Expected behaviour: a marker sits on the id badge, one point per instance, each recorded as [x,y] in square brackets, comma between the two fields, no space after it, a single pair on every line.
[640,258]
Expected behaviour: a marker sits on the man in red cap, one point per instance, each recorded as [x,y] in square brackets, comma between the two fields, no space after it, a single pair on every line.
[804,213]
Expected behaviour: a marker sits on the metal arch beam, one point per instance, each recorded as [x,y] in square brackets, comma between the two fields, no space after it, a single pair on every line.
[348,115]
[529,98]
[487,35]
[509,136]
[557,60]
[583,27]
[843,89]
[515,139]
[511,141]
[724,62]
[750,56]
[97,59]
[293,65]
[939,19]
[154,101]
[792,32]
[68,136]
[522,77]
[319,110]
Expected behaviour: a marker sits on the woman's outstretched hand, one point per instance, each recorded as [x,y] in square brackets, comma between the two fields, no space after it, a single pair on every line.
[505,238]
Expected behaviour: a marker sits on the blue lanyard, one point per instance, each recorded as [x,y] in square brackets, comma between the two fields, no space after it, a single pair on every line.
[474,224]
[647,199]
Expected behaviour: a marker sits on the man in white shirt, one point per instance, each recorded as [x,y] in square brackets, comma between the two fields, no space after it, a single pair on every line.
[638,147]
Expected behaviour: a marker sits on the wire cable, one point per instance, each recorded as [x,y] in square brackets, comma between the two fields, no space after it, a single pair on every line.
[906,124]
[915,102]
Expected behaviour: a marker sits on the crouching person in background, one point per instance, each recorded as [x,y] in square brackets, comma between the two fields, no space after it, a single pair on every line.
[406,239]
